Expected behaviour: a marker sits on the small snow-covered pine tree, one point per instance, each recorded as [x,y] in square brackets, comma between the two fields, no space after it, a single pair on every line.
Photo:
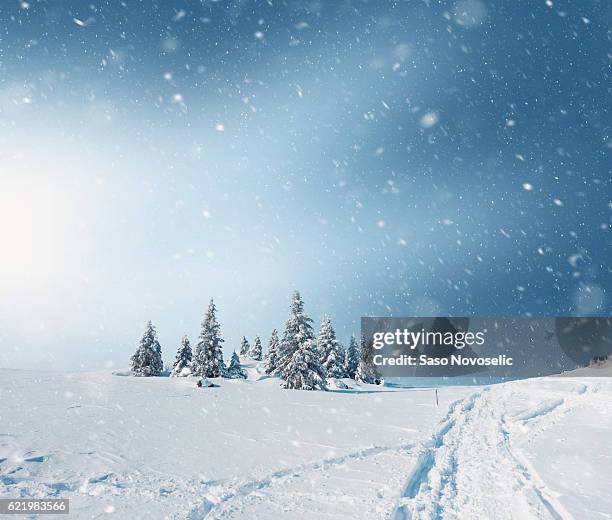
[147,360]
[234,370]
[366,371]
[183,357]
[256,350]
[351,358]
[330,352]
[244,347]
[271,355]
[304,370]
[298,331]
[208,355]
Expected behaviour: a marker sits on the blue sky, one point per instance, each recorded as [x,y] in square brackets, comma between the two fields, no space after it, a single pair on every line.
[385,158]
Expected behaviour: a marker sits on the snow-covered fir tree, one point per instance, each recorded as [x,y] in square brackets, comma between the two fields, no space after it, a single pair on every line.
[330,352]
[271,355]
[304,370]
[234,370]
[208,355]
[256,350]
[351,358]
[298,331]
[147,360]
[183,357]
[244,347]
[366,371]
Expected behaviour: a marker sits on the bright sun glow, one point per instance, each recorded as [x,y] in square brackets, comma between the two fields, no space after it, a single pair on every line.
[33,224]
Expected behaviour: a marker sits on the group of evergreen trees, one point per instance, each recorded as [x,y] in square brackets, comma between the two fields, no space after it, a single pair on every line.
[205,360]
[306,362]
[300,359]
[254,352]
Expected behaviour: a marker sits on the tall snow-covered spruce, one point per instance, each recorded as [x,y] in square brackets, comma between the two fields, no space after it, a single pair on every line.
[271,355]
[298,330]
[234,370]
[256,350]
[351,358]
[298,358]
[183,357]
[304,370]
[147,360]
[208,355]
[366,371]
[244,347]
[330,352]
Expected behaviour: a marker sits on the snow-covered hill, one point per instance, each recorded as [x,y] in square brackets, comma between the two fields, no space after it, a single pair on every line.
[151,448]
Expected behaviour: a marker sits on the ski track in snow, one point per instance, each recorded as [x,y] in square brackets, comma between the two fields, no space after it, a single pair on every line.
[449,480]
[230,492]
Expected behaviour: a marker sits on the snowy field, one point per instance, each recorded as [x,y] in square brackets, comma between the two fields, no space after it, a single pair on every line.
[133,448]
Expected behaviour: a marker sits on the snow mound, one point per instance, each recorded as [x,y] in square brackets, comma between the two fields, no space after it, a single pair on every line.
[123,373]
[598,369]
[255,370]
[338,384]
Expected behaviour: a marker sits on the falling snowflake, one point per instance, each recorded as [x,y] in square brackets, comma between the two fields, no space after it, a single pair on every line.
[429,120]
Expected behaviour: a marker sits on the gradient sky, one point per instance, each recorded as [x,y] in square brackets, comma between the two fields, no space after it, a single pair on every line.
[385,158]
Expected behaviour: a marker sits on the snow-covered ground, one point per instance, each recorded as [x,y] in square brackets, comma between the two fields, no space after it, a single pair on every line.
[132,448]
